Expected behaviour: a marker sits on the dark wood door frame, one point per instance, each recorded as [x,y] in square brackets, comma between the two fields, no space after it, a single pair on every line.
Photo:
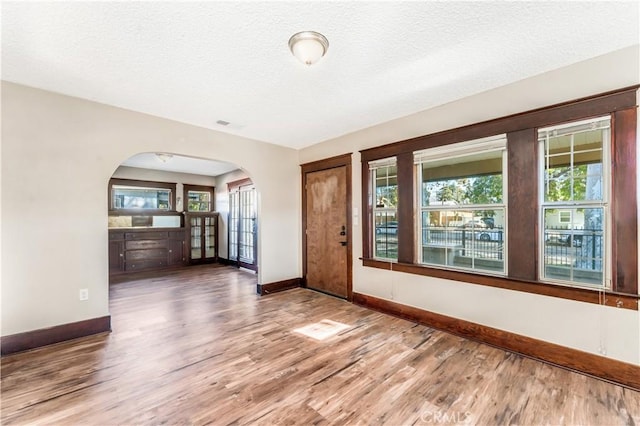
[329,163]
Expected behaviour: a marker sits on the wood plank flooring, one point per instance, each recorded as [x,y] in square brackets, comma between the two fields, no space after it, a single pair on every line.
[198,346]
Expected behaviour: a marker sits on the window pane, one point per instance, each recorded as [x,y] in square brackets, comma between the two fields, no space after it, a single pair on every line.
[574,249]
[466,239]
[125,197]
[471,179]
[573,162]
[386,235]
[386,187]
[385,224]
[573,244]
[199,201]
[564,216]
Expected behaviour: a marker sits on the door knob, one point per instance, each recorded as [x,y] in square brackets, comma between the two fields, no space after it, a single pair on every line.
[343,243]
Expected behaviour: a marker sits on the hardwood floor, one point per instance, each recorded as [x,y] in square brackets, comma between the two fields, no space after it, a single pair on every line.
[198,346]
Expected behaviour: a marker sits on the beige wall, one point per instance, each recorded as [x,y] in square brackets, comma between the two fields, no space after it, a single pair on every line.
[58,154]
[583,326]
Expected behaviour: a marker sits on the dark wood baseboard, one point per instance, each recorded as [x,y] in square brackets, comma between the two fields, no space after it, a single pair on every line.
[206,261]
[46,336]
[608,369]
[278,286]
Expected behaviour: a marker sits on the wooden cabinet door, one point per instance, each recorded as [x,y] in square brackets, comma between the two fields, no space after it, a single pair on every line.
[210,237]
[175,252]
[195,238]
[116,256]
[202,231]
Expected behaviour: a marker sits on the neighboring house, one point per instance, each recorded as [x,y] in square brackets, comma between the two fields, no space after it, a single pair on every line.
[566,219]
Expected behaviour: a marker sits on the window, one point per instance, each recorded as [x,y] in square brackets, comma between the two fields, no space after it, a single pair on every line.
[198,198]
[384,179]
[574,202]
[552,211]
[564,216]
[463,205]
[131,195]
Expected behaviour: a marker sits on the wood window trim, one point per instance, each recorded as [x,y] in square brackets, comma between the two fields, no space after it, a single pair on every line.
[236,184]
[185,195]
[624,210]
[143,184]
[521,130]
[592,106]
[614,299]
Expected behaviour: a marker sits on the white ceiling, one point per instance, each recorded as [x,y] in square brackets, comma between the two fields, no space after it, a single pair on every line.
[200,62]
[180,164]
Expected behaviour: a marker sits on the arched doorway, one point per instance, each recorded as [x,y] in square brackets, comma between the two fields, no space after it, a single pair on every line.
[169,210]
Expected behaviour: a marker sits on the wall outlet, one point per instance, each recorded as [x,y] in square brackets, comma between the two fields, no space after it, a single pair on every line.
[84,294]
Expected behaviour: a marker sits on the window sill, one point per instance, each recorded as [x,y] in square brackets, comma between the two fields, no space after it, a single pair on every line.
[625,301]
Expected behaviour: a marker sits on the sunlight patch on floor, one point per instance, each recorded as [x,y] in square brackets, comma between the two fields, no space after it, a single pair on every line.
[322,330]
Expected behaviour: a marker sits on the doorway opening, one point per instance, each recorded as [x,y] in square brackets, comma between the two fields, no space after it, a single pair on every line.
[243,224]
[170,211]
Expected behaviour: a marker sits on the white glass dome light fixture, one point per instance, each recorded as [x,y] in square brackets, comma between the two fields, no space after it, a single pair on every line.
[308,46]
[163,157]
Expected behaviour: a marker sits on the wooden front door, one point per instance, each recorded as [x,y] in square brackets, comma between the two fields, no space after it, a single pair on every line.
[328,229]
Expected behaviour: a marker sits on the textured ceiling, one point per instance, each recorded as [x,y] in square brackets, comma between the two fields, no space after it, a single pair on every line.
[180,164]
[207,61]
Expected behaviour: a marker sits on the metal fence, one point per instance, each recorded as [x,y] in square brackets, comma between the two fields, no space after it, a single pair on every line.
[472,242]
[581,248]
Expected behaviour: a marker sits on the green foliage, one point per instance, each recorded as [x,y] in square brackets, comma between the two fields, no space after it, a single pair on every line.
[473,190]
[452,191]
[484,189]
[559,183]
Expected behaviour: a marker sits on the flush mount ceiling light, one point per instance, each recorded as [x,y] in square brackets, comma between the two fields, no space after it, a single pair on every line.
[308,46]
[163,157]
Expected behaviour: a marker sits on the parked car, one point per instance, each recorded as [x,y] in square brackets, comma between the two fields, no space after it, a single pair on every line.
[476,223]
[489,222]
[565,239]
[570,240]
[388,228]
[489,235]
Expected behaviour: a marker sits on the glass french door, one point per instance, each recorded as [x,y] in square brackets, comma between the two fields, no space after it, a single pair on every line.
[243,226]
